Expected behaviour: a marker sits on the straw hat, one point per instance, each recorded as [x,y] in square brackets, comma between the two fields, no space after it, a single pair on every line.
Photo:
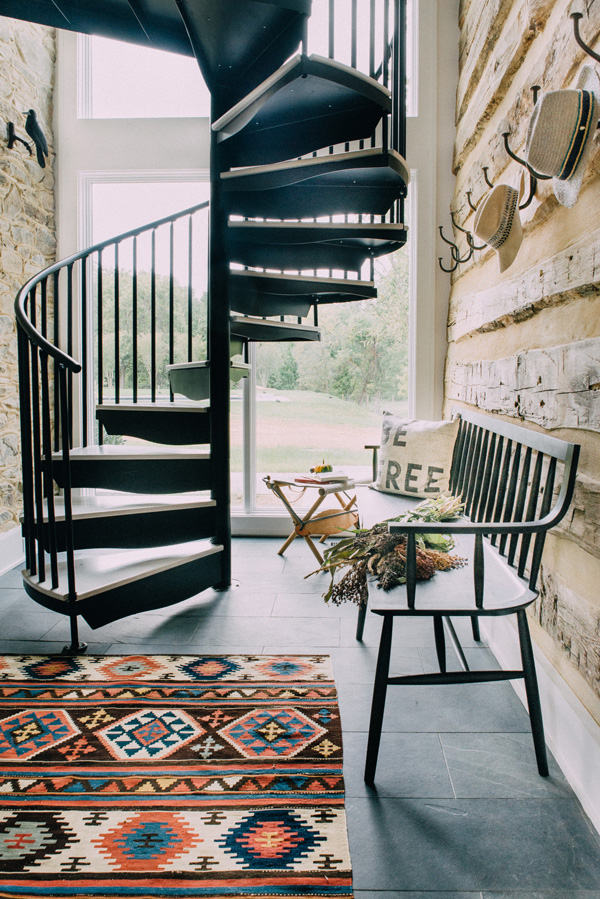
[561,134]
[497,222]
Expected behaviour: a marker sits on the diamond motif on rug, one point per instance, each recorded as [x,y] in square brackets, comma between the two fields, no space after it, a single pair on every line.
[272,732]
[154,734]
[30,732]
[271,838]
[148,841]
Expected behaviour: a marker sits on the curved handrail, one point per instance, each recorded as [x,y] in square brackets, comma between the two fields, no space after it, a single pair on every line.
[23,319]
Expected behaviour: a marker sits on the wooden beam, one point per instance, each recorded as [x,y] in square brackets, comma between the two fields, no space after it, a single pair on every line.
[552,387]
[581,522]
[573,623]
[570,274]
[488,92]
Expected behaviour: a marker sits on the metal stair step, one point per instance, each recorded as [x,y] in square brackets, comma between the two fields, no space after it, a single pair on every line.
[363,181]
[268,293]
[112,585]
[131,520]
[306,245]
[164,422]
[138,469]
[192,379]
[311,102]
[259,329]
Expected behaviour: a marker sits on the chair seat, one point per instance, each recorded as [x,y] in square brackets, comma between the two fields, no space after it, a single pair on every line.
[452,592]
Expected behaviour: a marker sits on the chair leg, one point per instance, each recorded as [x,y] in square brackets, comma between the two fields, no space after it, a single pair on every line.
[360,621]
[533,696]
[379,693]
[440,641]
[475,628]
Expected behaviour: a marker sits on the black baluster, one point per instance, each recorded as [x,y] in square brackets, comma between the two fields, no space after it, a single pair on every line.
[134,323]
[48,470]
[153,317]
[117,316]
[84,350]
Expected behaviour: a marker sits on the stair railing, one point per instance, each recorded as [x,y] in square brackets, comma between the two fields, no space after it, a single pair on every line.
[53,326]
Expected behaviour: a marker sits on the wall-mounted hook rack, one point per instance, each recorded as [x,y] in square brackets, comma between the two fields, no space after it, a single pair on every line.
[576,16]
[454,250]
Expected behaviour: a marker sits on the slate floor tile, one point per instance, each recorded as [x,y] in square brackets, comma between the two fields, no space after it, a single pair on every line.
[471,844]
[464,708]
[410,766]
[500,766]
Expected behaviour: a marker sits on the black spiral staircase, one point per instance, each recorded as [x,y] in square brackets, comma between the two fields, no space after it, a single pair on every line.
[307,174]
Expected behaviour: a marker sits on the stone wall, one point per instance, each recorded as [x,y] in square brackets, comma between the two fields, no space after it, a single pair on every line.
[525,344]
[27,227]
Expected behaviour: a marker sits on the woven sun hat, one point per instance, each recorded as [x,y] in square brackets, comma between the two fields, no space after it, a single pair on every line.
[561,134]
[498,224]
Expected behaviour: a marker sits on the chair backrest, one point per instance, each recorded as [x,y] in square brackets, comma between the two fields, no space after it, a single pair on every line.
[507,473]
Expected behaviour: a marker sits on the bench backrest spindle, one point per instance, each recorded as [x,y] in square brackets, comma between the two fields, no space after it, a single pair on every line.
[507,474]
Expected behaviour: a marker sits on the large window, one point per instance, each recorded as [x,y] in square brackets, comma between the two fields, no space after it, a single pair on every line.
[124,81]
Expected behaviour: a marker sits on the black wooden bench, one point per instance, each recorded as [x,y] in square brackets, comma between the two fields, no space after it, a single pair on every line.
[516,484]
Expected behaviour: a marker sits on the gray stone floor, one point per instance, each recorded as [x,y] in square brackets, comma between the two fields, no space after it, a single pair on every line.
[458,810]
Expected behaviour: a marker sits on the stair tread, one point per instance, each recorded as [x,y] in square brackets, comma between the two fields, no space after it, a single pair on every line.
[132,453]
[312,245]
[362,234]
[152,407]
[309,103]
[373,162]
[361,181]
[190,366]
[260,329]
[308,285]
[97,571]
[109,505]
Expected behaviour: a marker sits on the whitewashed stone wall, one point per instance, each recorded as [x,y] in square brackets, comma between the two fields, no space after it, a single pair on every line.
[27,229]
[526,344]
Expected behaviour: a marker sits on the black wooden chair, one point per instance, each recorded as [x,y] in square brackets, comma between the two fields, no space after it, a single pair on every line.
[516,485]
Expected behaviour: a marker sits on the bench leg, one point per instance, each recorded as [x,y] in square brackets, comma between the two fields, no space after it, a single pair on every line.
[379,694]
[533,696]
[475,628]
[440,641]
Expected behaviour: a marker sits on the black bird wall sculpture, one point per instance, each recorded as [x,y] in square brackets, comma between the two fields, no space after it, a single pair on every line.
[32,127]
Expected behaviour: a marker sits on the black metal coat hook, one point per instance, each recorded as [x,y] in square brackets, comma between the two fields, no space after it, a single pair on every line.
[532,190]
[444,269]
[484,169]
[472,243]
[469,201]
[523,162]
[576,16]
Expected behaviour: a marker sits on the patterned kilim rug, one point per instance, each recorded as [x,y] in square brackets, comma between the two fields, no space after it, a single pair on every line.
[175,776]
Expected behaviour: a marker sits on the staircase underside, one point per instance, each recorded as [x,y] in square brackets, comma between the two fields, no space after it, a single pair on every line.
[344,245]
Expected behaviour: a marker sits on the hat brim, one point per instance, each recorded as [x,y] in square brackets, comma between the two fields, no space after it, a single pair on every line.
[507,253]
[567,192]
